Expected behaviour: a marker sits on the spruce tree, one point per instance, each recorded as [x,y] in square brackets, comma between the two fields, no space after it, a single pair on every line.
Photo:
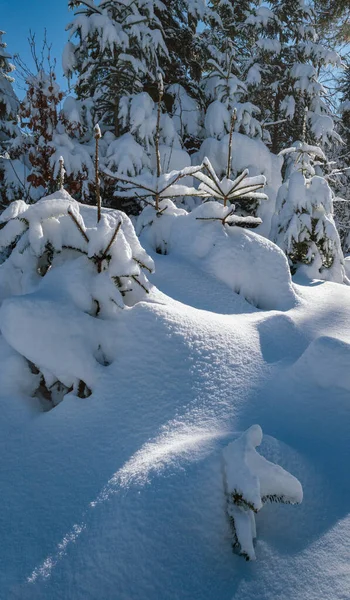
[289,59]
[117,51]
[10,183]
[114,49]
[228,72]
[304,225]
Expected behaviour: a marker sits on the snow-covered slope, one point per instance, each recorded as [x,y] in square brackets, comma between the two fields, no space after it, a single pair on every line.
[120,495]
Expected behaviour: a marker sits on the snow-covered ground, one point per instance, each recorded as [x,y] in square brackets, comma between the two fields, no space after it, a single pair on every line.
[120,496]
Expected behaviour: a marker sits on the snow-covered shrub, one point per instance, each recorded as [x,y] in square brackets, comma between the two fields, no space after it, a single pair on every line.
[250,481]
[303,225]
[246,154]
[61,261]
[227,191]
[151,188]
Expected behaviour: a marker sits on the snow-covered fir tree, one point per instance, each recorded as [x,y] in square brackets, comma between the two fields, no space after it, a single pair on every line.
[340,162]
[115,49]
[227,74]
[10,182]
[9,102]
[132,42]
[289,58]
[304,225]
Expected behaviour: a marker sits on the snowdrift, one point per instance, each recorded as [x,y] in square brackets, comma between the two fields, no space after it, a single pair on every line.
[248,263]
[123,494]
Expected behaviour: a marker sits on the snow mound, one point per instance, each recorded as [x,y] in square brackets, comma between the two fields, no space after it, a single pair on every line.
[15,375]
[248,263]
[325,363]
[274,331]
[250,481]
[65,337]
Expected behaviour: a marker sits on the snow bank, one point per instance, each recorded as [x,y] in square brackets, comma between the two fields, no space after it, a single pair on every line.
[66,338]
[248,263]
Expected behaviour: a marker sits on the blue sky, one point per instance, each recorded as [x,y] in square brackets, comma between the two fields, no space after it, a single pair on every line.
[17,17]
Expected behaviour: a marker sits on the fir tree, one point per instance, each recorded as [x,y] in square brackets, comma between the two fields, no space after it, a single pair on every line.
[303,225]
[121,47]
[288,57]
[228,73]
[115,49]
[10,184]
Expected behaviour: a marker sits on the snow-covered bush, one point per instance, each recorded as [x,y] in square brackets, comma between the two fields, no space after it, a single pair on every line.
[151,188]
[303,225]
[246,154]
[60,260]
[227,191]
[250,481]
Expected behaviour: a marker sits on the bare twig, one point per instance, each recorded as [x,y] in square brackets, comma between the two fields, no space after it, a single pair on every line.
[139,283]
[142,265]
[75,220]
[97,179]
[105,253]
[229,156]
[156,139]
[62,172]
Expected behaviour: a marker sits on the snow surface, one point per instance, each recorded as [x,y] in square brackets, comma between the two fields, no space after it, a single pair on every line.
[120,495]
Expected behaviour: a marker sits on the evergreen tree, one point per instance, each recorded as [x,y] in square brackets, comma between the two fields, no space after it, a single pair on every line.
[289,59]
[10,184]
[49,132]
[121,48]
[117,54]
[303,225]
[228,73]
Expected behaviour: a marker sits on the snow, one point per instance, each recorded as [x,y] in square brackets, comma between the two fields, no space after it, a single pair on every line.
[248,263]
[124,490]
